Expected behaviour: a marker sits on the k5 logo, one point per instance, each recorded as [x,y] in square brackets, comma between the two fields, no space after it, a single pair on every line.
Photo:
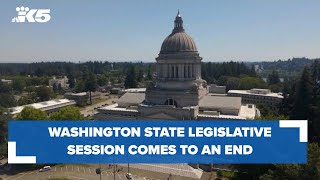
[32,15]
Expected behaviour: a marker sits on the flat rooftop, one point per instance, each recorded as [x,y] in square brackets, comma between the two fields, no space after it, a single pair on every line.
[41,105]
[249,92]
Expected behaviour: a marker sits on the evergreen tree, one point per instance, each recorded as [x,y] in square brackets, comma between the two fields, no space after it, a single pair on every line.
[273,78]
[302,97]
[90,84]
[140,75]
[314,119]
[79,86]
[71,80]
[149,75]
[130,81]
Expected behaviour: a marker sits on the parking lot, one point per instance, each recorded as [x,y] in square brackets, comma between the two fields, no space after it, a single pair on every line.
[74,172]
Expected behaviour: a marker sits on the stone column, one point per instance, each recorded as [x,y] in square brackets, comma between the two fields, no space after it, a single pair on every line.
[192,70]
[169,71]
[180,71]
[158,70]
[174,71]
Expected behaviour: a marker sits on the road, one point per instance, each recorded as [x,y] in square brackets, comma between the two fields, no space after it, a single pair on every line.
[72,172]
[91,109]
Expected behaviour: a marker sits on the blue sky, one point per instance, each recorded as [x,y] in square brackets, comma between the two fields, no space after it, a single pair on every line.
[131,30]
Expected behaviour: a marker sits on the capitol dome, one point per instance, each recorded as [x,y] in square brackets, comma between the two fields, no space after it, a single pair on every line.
[178,40]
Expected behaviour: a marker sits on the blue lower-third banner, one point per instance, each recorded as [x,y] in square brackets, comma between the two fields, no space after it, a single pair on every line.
[158,141]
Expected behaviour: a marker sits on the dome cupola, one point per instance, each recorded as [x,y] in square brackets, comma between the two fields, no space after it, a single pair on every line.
[178,41]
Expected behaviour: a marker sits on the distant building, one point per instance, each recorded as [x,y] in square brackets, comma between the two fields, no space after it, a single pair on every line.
[6,81]
[179,91]
[83,97]
[63,82]
[258,96]
[132,90]
[213,88]
[258,68]
[115,90]
[47,106]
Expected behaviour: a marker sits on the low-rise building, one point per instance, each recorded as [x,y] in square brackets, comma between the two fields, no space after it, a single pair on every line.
[46,106]
[6,81]
[62,82]
[132,106]
[258,96]
[215,89]
[83,97]
[132,90]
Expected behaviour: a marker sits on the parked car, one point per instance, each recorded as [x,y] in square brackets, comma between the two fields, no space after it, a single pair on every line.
[129,176]
[46,168]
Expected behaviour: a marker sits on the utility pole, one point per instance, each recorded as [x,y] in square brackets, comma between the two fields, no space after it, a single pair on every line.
[114,172]
[100,170]
[128,169]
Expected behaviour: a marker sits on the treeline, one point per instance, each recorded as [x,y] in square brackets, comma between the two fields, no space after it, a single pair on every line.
[62,68]
[211,72]
[294,64]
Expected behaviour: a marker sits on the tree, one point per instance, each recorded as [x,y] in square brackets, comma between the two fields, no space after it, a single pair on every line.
[140,75]
[30,113]
[5,87]
[297,171]
[273,78]
[79,86]
[44,93]
[28,99]
[130,81]
[232,83]
[3,134]
[302,97]
[251,82]
[90,84]
[149,75]
[18,84]
[67,113]
[71,80]
[102,80]
[7,100]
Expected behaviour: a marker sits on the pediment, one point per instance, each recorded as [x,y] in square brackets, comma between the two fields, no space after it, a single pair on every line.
[163,116]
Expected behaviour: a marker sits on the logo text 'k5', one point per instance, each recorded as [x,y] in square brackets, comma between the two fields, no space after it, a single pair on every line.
[32,15]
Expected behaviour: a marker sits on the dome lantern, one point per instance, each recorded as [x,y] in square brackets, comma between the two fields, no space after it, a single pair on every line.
[178,41]
[178,23]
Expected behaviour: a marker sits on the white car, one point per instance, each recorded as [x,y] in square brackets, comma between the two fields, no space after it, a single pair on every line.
[46,168]
[129,176]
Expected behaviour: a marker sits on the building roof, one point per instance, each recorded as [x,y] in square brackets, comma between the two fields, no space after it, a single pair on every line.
[130,99]
[252,92]
[134,90]
[248,111]
[41,105]
[220,102]
[115,107]
[77,94]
